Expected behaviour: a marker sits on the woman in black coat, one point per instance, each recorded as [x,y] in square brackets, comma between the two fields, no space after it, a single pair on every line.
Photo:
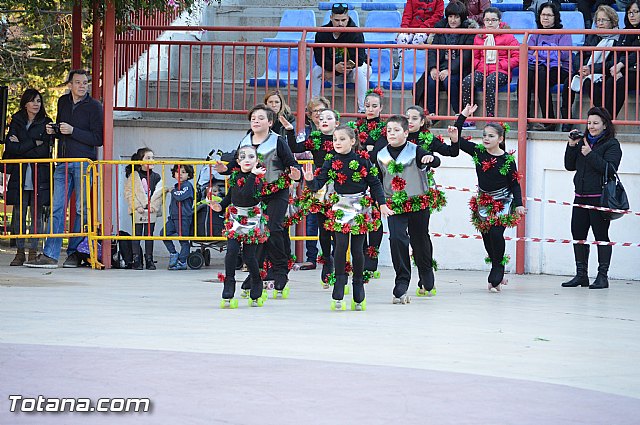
[442,69]
[588,156]
[28,187]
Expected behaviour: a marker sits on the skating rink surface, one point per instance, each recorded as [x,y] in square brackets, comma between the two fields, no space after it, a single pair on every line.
[534,354]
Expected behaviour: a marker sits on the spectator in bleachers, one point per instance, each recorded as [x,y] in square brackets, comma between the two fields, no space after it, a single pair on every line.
[625,71]
[586,7]
[337,62]
[418,14]
[547,67]
[490,66]
[285,119]
[476,8]
[29,185]
[447,67]
[594,71]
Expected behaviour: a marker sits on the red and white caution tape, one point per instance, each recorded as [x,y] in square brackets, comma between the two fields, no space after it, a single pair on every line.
[549,201]
[542,240]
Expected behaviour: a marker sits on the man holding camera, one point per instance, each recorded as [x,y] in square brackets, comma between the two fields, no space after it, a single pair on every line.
[341,61]
[78,127]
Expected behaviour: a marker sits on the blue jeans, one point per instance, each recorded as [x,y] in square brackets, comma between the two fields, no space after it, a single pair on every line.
[312,230]
[454,97]
[72,173]
[171,229]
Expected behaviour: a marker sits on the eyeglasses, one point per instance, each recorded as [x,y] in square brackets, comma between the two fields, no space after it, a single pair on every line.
[633,12]
[547,15]
[317,111]
[339,8]
[602,20]
[491,20]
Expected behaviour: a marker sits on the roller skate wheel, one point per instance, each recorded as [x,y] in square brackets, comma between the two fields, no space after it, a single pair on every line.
[431,293]
[244,293]
[285,292]
[256,303]
[233,303]
[223,303]
[406,299]
[376,274]
[420,292]
[264,296]
[326,286]
[333,305]
[358,306]
[347,290]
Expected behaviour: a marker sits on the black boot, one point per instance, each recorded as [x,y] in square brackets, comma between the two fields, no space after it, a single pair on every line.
[338,287]
[602,280]
[581,253]
[137,263]
[358,289]
[327,268]
[151,265]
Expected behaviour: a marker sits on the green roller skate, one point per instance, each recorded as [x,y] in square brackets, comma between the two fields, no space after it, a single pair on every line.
[337,305]
[376,274]
[256,303]
[421,292]
[362,306]
[229,303]
[347,290]
[277,293]
[245,293]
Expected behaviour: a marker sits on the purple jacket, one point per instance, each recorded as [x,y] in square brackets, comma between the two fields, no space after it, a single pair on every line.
[549,40]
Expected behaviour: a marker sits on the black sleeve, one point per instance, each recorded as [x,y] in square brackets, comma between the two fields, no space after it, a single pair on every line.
[421,153]
[25,142]
[323,60]
[514,185]
[444,149]
[291,137]
[226,201]
[375,185]
[285,154]
[570,156]
[362,55]
[466,146]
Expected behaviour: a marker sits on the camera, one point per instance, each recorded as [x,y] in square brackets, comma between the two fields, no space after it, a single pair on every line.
[55,127]
[576,135]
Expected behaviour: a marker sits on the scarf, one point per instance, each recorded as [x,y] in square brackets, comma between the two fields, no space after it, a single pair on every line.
[593,139]
[491,56]
[598,57]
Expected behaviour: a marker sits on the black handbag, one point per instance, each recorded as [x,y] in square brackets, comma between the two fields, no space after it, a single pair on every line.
[613,195]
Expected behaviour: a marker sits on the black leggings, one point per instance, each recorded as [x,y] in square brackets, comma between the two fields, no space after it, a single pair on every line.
[495,246]
[357,262]
[375,239]
[143,229]
[277,205]
[582,219]
[324,236]
[250,259]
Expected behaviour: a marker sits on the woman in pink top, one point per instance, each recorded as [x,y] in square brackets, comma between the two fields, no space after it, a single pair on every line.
[494,66]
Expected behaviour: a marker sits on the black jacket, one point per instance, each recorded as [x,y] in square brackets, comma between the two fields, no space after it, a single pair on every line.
[460,58]
[629,40]
[592,40]
[590,169]
[27,148]
[87,120]
[346,38]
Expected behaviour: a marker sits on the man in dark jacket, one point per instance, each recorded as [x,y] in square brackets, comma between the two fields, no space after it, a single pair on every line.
[80,120]
[349,61]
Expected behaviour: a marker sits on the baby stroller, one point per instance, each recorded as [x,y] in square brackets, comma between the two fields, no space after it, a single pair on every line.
[209,187]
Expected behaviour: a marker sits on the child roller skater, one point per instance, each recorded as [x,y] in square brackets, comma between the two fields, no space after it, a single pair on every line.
[281,167]
[245,226]
[352,214]
[403,167]
[420,134]
[371,132]
[320,144]
[498,204]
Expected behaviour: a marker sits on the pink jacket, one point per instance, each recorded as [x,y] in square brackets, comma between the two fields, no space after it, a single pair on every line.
[506,60]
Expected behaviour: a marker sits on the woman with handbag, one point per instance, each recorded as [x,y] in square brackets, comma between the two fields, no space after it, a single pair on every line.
[590,156]
[28,187]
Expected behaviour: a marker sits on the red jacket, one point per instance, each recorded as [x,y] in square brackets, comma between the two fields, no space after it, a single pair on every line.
[422,13]
[506,60]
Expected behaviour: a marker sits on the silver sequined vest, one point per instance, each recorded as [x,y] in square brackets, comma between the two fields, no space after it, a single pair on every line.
[268,152]
[416,178]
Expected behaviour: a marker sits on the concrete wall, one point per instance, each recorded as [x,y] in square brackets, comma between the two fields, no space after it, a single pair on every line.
[546,179]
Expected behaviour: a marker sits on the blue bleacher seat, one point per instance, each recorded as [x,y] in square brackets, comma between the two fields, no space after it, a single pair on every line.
[412,68]
[383,5]
[326,5]
[282,68]
[352,13]
[512,87]
[573,20]
[621,19]
[381,67]
[294,18]
[382,19]
[519,21]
